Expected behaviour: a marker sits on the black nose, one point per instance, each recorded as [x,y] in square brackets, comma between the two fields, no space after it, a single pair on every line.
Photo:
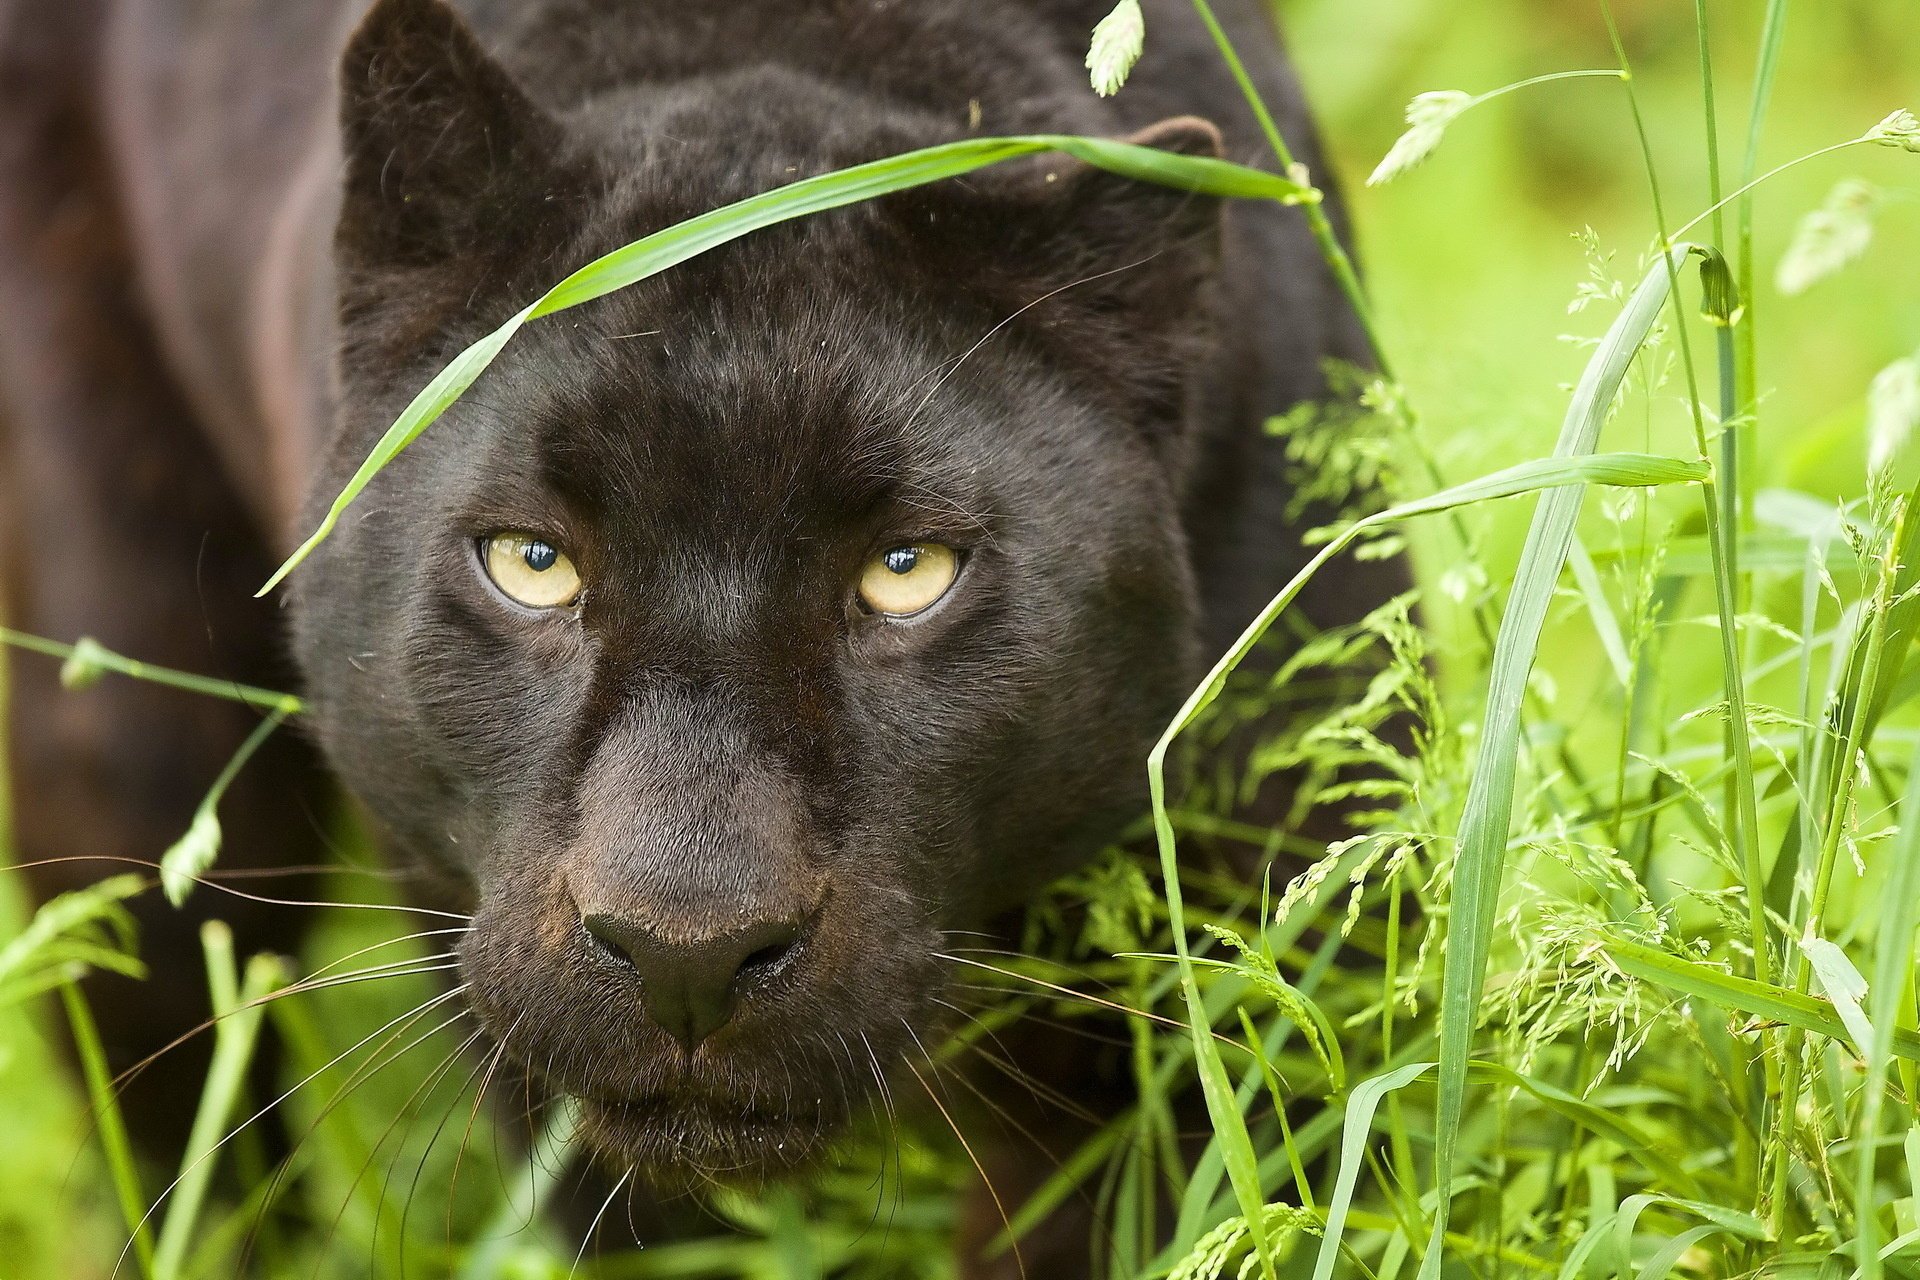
[689,987]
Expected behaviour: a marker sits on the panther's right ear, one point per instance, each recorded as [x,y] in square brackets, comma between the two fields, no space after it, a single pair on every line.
[444,150]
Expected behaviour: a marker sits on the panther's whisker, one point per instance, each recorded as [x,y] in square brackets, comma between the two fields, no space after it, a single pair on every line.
[593,1228]
[365,1072]
[1034,1011]
[969,1016]
[893,1146]
[1039,1090]
[437,962]
[210,1151]
[126,1077]
[501,1163]
[886,1095]
[1019,1262]
[392,942]
[947,375]
[362,1073]
[887,1139]
[409,1114]
[1000,1112]
[419,1170]
[1081,995]
[212,878]
[934,1066]
[633,1228]
[149,864]
[968,933]
[493,1065]
[347,906]
[1007,1118]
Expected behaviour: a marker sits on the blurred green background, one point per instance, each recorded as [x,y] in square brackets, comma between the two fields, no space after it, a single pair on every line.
[1473,259]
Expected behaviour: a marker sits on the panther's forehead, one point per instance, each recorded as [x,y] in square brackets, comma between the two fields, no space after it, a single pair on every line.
[681,412]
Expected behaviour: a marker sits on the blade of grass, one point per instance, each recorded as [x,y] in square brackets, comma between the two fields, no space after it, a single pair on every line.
[1764,1000]
[1338,261]
[87,924]
[1481,851]
[1723,308]
[1618,1227]
[1843,986]
[112,1125]
[1361,1105]
[653,254]
[1229,1123]
[1661,1264]
[1893,957]
[1839,814]
[1902,626]
[1630,1137]
[238,1004]
[1772,38]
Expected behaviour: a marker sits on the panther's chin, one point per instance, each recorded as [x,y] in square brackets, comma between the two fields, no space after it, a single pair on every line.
[684,1142]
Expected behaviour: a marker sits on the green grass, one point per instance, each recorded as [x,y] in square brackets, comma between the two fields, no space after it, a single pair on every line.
[1613,976]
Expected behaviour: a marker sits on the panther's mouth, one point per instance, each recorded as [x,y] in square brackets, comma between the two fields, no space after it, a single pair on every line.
[690,1140]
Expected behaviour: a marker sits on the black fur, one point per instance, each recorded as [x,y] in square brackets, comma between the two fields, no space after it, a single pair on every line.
[1060,373]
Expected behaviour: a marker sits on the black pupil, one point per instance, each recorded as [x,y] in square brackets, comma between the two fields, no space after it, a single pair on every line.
[902,559]
[539,556]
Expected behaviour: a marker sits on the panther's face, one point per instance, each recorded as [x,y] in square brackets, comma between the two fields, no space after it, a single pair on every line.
[743,634]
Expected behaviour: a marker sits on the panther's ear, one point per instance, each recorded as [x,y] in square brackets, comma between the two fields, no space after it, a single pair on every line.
[1139,246]
[1117,268]
[1127,217]
[443,149]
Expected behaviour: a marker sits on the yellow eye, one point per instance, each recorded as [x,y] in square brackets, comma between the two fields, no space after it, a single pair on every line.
[531,570]
[904,580]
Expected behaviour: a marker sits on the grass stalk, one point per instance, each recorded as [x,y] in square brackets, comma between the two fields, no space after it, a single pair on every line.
[1748,188]
[1338,260]
[1838,818]
[112,1126]
[1888,992]
[1480,854]
[1772,39]
[86,660]
[1745,818]
[238,1004]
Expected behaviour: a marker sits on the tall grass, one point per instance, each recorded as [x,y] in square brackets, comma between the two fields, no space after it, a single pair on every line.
[1613,975]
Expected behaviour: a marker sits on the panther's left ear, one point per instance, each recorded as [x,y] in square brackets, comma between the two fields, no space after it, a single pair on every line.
[445,152]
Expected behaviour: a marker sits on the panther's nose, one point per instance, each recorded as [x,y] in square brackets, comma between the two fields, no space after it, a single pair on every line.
[689,987]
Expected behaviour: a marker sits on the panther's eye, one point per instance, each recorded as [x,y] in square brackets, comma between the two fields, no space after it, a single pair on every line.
[531,570]
[904,580]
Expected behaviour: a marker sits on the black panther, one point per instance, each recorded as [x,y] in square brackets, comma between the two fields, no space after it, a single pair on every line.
[740,637]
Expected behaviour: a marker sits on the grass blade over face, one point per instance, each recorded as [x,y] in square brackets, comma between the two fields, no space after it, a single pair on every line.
[653,254]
